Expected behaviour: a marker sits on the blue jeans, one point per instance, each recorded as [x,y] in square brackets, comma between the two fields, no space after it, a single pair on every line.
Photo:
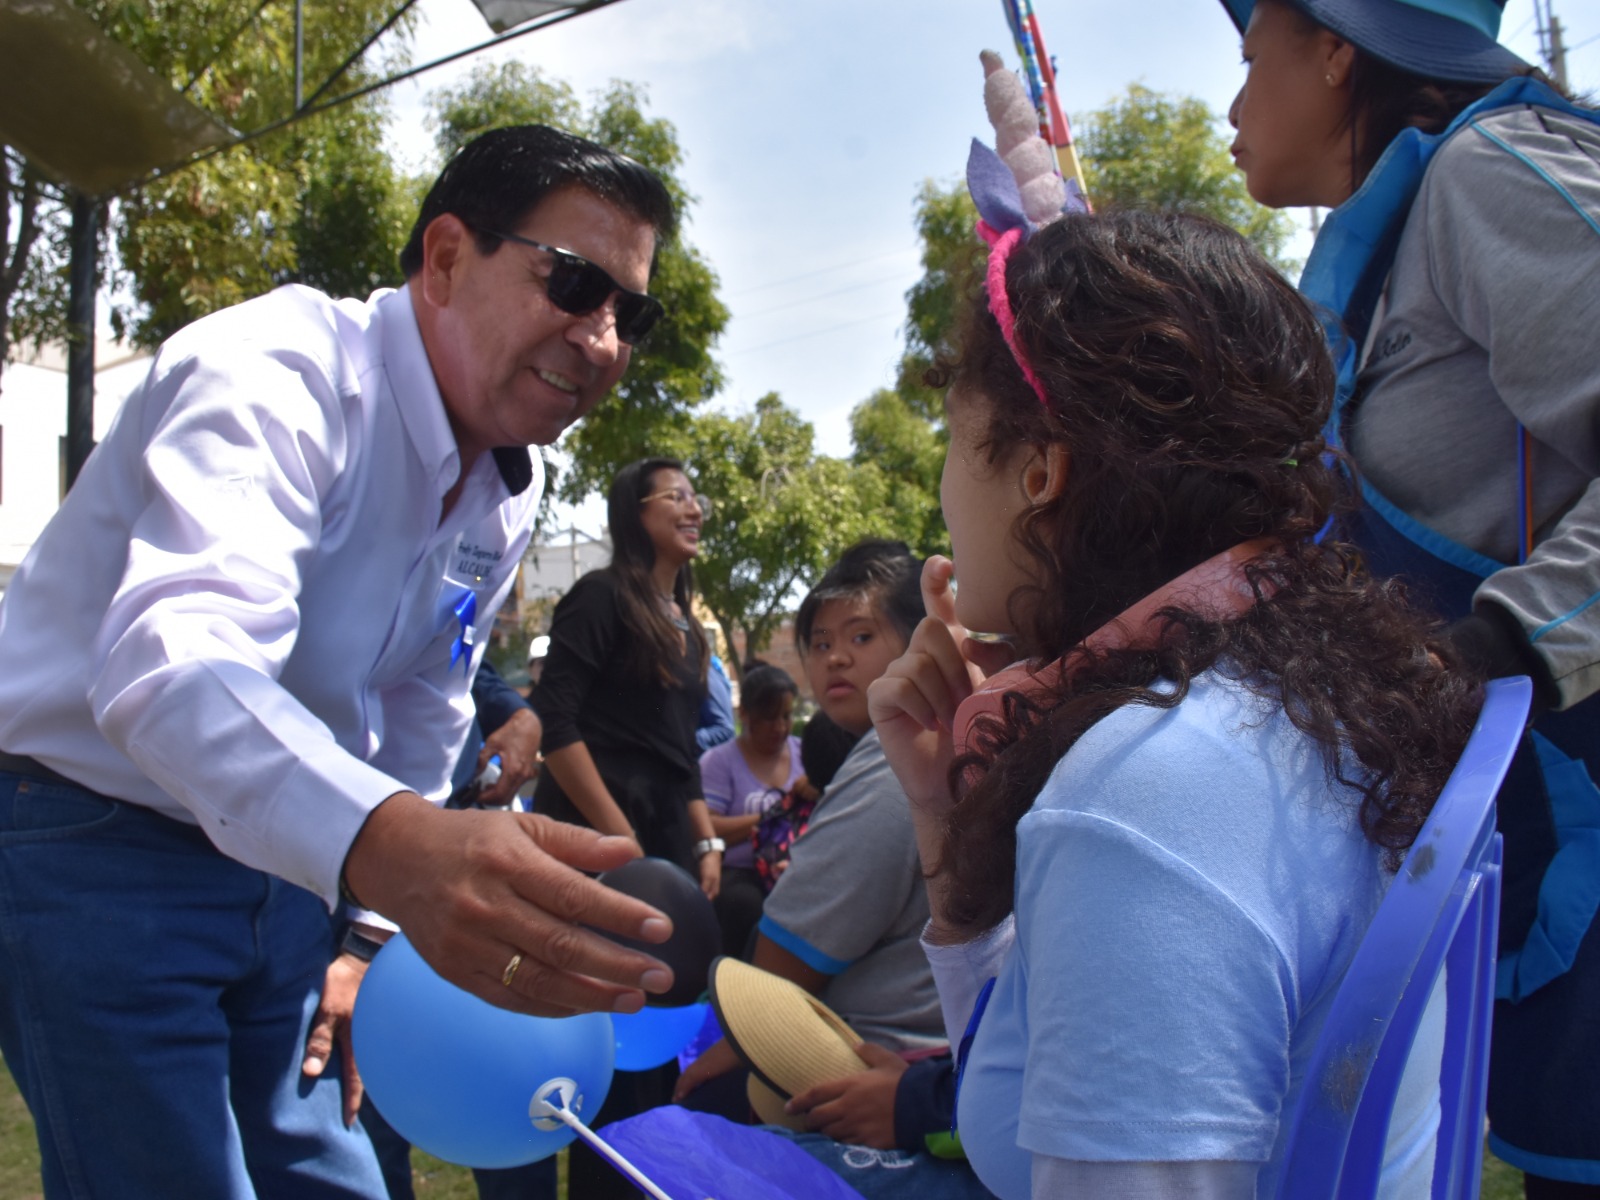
[154,1002]
[891,1174]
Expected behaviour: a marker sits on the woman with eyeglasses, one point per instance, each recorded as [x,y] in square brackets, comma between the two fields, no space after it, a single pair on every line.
[1460,261]
[620,698]
[622,685]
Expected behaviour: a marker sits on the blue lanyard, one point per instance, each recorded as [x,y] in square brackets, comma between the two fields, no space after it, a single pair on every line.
[964,1050]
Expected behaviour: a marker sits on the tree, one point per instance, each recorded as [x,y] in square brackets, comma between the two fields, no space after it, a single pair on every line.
[33,292]
[1151,150]
[1144,150]
[905,446]
[782,514]
[673,372]
[900,432]
[952,256]
[317,202]
[314,202]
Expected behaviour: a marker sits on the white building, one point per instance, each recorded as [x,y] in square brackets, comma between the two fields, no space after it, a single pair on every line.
[33,435]
[550,567]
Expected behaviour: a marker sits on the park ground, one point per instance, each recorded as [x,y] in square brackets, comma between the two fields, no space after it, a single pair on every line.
[434,1180]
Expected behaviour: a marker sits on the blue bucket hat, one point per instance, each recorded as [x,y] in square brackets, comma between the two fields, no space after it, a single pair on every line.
[1453,40]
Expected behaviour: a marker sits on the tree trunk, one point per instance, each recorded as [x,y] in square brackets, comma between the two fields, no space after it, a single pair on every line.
[80,334]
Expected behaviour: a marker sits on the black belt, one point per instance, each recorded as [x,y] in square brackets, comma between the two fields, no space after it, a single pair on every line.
[21,764]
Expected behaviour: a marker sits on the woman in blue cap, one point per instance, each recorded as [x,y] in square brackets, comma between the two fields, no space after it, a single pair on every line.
[1459,272]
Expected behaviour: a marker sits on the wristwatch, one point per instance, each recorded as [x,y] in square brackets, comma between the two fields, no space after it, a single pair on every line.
[709,845]
[358,945]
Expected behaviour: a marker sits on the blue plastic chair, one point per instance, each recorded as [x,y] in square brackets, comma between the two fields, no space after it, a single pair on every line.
[1444,906]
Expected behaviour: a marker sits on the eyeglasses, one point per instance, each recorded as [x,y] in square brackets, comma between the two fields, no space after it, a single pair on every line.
[680,497]
[578,286]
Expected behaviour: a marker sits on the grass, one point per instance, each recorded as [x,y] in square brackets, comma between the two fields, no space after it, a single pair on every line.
[19,1152]
[433,1180]
[19,1159]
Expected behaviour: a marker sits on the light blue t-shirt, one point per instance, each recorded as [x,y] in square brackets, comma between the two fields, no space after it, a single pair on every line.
[1190,892]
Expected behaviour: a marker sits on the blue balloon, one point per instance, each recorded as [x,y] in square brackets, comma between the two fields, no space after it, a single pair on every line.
[653,1036]
[457,1076]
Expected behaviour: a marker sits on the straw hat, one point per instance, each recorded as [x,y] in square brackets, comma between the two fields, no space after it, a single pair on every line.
[790,1040]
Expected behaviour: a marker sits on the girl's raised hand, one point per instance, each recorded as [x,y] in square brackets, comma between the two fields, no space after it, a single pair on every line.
[913,704]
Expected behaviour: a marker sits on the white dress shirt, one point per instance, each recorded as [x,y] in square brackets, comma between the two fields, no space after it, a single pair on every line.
[243,614]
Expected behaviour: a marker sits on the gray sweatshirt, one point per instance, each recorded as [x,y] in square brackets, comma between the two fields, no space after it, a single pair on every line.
[1491,317]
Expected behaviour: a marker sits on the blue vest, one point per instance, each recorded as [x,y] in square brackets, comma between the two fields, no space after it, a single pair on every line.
[1547,913]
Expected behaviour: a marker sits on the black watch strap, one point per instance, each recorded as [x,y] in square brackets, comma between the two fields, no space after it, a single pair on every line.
[359,945]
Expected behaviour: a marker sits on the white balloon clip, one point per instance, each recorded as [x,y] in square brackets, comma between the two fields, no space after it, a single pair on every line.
[543,1113]
[547,1115]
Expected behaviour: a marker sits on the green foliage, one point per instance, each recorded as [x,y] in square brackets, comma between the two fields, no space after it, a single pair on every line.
[899,433]
[651,410]
[316,202]
[356,212]
[511,93]
[782,513]
[1142,150]
[1147,149]
[952,257]
[34,228]
[905,447]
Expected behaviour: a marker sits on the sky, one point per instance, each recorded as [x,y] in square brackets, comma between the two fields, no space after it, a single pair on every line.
[809,125]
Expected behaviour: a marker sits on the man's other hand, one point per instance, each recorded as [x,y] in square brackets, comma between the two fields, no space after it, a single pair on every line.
[517,744]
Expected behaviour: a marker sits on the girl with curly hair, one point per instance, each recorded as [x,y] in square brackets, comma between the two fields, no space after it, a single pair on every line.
[1166,827]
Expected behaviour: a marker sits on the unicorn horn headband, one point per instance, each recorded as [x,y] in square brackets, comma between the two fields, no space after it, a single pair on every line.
[1017,189]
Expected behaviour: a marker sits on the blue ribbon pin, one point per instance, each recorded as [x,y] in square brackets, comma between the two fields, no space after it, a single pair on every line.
[466,611]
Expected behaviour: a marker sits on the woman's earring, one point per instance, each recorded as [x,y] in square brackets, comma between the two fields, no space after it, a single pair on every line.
[1329,78]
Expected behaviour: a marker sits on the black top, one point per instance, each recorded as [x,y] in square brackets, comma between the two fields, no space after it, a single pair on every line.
[639,733]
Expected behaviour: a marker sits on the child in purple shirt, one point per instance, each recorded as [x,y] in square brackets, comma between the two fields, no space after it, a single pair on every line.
[742,779]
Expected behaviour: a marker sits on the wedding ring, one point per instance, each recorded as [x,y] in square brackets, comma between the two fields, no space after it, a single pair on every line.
[510,972]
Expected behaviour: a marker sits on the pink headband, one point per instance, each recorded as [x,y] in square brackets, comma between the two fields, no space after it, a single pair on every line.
[1000,248]
[1017,188]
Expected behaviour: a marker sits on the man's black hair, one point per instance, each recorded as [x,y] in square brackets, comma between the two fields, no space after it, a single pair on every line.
[882,572]
[496,179]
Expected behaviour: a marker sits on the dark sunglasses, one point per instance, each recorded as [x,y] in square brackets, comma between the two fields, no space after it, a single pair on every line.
[578,286]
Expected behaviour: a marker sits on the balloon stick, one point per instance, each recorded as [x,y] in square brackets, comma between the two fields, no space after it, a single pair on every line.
[550,1103]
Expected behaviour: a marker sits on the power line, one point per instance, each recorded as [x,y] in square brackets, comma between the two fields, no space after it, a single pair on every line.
[853,287]
[800,337]
[849,262]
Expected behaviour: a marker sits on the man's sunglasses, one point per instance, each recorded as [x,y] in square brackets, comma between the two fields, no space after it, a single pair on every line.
[578,286]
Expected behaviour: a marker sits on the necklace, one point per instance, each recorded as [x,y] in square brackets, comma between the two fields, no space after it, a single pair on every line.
[669,605]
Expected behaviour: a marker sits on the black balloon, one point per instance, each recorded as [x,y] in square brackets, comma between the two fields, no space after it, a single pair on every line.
[696,938]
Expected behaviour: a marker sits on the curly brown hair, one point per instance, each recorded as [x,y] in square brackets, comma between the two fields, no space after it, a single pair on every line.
[1189,384]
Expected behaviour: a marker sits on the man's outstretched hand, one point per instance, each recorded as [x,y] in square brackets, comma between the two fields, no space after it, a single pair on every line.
[472,889]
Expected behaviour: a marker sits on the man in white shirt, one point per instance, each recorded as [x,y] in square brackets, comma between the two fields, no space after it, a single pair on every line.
[234,672]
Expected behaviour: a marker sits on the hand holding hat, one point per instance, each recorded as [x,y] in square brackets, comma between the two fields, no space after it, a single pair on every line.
[791,1041]
[857,1108]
